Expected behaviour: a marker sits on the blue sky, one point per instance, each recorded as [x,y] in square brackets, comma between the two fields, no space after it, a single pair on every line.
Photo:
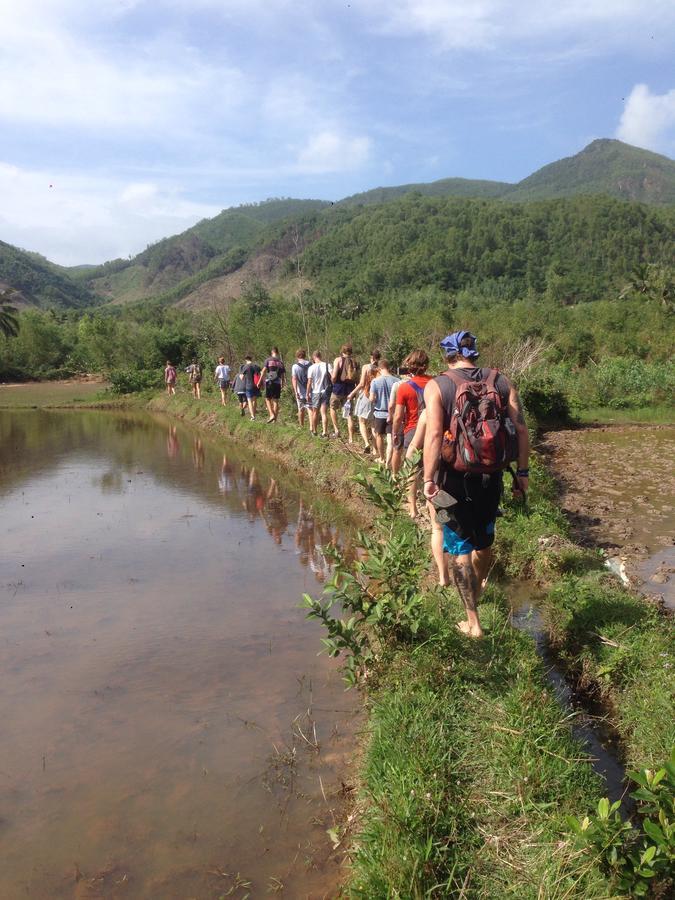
[124,121]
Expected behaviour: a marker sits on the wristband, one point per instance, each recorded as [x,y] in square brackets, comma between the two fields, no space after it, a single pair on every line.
[430,481]
[523,473]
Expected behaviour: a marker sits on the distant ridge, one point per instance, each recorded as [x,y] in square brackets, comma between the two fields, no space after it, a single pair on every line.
[603,167]
[252,241]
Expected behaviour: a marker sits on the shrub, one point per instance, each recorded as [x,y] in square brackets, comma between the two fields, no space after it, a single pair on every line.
[130,381]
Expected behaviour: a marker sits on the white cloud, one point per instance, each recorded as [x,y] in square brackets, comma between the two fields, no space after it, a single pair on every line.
[60,75]
[76,219]
[499,24]
[648,120]
[329,151]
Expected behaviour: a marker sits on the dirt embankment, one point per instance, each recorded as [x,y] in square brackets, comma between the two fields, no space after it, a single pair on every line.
[617,488]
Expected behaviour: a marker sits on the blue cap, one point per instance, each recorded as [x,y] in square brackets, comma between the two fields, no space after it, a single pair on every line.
[450,344]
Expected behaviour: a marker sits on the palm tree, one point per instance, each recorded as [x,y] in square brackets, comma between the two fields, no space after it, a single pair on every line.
[9,324]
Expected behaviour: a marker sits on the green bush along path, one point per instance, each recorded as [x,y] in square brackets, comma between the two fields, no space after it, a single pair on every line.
[471,781]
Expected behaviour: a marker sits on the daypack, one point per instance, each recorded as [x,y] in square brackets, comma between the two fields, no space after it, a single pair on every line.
[420,396]
[347,370]
[273,369]
[481,438]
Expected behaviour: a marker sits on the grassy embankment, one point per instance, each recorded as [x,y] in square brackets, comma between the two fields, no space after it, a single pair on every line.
[50,394]
[470,768]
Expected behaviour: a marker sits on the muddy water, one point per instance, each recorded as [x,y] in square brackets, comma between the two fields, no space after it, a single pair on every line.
[618,489]
[162,697]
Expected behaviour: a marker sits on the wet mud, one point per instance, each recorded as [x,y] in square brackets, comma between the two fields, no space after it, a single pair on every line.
[169,730]
[617,488]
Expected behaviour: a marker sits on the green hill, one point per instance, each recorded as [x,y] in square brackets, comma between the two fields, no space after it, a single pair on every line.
[603,167]
[40,282]
[445,187]
[218,244]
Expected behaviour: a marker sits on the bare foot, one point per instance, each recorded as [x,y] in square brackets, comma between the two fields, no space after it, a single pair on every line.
[474,631]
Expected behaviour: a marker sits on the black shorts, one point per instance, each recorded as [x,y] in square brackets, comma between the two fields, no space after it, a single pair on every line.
[381,426]
[472,520]
[273,390]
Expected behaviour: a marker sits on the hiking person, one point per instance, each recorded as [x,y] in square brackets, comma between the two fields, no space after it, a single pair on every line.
[299,382]
[273,376]
[170,378]
[363,409]
[222,376]
[409,402]
[319,391]
[395,446]
[380,394]
[194,373]
[343,376]
[239,388]
[251,373]
[474,427]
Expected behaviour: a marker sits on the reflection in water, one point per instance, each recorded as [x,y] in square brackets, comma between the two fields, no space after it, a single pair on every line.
[154,661]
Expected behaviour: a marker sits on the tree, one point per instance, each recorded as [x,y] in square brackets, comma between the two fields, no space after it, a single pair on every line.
[9,323]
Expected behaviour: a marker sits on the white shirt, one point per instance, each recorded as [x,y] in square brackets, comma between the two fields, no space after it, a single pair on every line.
[223,372]
[318,375]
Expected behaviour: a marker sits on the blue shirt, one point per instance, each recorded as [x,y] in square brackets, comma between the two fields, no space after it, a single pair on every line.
[381,388]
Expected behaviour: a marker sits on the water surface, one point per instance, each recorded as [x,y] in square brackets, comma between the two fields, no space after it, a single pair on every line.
[162,696]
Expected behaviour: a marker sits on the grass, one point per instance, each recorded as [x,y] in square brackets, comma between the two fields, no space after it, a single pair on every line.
[469,773]
[49,394]
[648,415]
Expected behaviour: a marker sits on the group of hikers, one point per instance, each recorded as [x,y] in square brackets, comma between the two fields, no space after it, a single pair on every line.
[467,423]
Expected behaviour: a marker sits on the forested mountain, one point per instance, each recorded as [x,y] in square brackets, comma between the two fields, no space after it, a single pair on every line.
[38,282]
[604,167]
[570,250]
[218,245]
[445,187]
[454,232]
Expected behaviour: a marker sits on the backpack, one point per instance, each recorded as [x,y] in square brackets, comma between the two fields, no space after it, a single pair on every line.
[273,369]
[420,395]
[348,369]
[481,438]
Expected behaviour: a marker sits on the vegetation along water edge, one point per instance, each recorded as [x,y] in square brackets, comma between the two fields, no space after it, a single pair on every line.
[470,771]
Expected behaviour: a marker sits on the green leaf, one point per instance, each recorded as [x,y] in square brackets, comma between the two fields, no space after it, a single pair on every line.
[648,855]
[603,808]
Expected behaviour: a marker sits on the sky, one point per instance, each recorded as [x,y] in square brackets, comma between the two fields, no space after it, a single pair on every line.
[124,121]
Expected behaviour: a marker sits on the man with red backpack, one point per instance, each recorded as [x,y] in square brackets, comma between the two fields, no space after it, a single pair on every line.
[474,429]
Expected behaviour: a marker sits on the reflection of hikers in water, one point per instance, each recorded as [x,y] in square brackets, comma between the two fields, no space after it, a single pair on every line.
[194,373]
[172,444]
[254,501]
[274,512]
[198,454]
[170,378]
[225,477]
[469,469]
[304,534]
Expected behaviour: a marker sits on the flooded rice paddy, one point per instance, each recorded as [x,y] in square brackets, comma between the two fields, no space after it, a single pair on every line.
[168,730]
[618,490]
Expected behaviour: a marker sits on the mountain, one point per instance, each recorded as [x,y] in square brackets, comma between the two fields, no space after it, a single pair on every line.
[219,258]
[216,245]
[39,282]
[603,167]
[445,187]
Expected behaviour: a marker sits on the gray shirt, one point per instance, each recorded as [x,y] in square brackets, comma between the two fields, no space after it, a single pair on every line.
[381,389]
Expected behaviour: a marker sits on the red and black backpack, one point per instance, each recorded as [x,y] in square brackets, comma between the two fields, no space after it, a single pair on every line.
[479,436]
